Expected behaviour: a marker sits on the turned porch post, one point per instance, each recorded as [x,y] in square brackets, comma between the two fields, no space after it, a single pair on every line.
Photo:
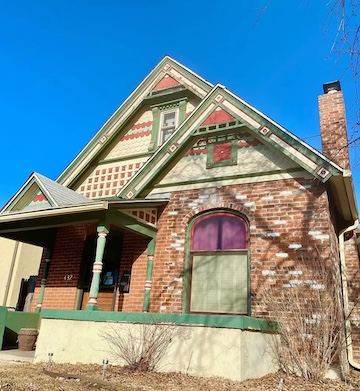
[97,268]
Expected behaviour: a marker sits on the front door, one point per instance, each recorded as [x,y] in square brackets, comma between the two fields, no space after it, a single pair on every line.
[108,287]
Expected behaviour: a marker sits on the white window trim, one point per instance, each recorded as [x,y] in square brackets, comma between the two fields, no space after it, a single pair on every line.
[162,114]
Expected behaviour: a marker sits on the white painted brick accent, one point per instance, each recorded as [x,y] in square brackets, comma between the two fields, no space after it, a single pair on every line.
[268,272]
[249,204]
[170,288]
[273,234]
[295,282]
[180,241]
[318,286]
[280,222]
[183,198]
[287,286]
[267,198]
[252,227]
[295,272]
[313,233]
[322,237]
[162,308]
[204,196]
[241,197]
[173,213]
[285,192]
[193,204]
[282,255]
[295,246]
[178,279]
[309,282]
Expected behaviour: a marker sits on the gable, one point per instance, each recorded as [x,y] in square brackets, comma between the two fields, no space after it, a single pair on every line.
[40,193]
[223,114]
[168,80]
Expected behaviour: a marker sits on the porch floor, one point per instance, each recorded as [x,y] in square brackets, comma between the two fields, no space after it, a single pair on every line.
[12,356]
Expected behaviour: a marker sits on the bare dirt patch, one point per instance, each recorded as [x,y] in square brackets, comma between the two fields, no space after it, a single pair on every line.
[31,377]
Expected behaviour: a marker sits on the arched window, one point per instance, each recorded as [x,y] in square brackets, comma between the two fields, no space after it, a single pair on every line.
[219,264]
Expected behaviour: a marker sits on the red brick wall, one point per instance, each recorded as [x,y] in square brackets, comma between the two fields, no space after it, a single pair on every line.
[63,278]
[288,219]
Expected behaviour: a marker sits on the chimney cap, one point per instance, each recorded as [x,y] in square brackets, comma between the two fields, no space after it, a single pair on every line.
[332,86]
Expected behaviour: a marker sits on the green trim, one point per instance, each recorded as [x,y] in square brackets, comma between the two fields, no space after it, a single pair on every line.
[230,177]
[155,129]
[179,105]
[121,219]
[187,279]
[12,321]
[223,321]
[120,159]
[222,163]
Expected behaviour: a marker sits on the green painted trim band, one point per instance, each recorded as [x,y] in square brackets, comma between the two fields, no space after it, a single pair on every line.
[223,321]
[230,177]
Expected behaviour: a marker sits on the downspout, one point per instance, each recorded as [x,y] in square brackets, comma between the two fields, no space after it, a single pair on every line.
[348,338]
[11,270]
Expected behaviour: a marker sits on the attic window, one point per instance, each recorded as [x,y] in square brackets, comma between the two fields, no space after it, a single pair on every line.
[166,118]
[168,123]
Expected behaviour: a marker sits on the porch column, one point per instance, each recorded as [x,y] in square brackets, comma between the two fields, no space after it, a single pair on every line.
[148,282]
[44,280]
[97,268]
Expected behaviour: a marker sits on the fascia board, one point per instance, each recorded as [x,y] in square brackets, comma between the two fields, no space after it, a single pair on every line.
[19,193]
[287,132]
[93,207]
[139,93]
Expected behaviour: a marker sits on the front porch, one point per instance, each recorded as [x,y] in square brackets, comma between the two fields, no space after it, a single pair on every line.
[234,347]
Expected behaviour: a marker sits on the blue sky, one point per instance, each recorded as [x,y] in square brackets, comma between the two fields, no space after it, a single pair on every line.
[66,66]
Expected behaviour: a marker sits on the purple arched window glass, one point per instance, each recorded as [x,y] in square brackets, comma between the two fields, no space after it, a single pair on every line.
[219,232]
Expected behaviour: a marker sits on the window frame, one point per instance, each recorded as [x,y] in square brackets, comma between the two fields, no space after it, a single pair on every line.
[188,275]
[175,110]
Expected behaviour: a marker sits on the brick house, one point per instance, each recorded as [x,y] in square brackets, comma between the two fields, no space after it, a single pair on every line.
[185,203]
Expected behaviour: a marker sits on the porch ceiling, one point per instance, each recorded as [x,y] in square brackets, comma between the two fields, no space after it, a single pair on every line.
[39,227]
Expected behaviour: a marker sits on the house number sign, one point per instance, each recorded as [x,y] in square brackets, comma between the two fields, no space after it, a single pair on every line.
[68,277]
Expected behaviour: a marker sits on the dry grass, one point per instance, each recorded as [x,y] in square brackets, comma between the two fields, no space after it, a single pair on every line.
[30,377]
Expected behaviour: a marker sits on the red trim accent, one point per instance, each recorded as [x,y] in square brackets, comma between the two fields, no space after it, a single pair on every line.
[39,198]
[222,152]
[196,152]
[135,135]
[166,82]
[217,117]
[141,125]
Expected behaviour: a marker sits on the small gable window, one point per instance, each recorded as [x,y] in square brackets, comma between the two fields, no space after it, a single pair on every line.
[168,124]
[218,265]
[166,118]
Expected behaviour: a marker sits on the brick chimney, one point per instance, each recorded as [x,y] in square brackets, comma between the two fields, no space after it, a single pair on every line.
[333,125]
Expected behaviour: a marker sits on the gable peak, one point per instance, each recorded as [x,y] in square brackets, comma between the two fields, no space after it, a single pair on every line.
[217,116]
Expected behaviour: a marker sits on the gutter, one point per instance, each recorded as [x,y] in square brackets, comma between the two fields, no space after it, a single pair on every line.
[348,338]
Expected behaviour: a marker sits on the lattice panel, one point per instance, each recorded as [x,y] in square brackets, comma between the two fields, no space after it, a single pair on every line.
[106,181]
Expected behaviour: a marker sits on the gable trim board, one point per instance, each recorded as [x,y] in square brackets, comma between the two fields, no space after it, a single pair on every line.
[166,66]
[185,136]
